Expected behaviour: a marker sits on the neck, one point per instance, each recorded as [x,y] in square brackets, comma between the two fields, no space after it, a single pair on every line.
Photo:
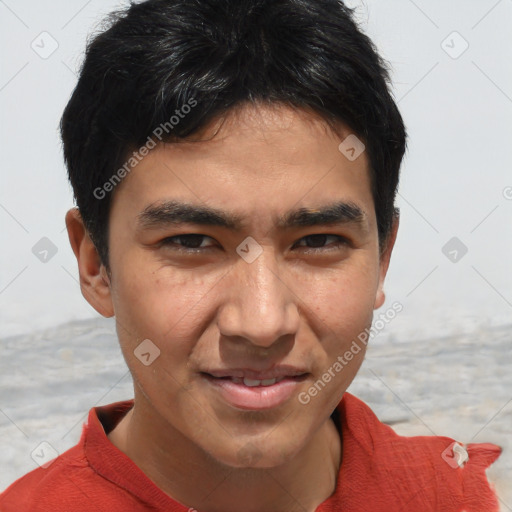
[176,465]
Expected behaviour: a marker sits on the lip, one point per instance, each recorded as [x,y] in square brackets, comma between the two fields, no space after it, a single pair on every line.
[229,385]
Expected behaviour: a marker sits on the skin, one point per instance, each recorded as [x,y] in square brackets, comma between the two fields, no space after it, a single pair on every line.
[299,303]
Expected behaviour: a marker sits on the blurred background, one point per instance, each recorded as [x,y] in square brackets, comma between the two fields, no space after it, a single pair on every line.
[441,366]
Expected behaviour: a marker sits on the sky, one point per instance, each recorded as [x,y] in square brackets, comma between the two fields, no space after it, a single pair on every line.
[451,67]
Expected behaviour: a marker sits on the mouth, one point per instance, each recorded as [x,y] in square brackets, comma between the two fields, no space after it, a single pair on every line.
[254,382]
[255,390]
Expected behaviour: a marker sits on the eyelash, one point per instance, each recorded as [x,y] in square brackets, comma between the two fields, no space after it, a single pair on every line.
[168,242]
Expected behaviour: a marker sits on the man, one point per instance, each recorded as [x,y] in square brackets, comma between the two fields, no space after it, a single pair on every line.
[235,164]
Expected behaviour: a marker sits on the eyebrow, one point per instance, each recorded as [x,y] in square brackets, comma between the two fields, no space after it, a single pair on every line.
[173,212]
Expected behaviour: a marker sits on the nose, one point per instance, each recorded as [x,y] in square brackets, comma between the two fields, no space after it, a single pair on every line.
[259,305]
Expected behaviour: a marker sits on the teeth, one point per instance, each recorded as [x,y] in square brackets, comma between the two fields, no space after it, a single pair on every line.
[252,382]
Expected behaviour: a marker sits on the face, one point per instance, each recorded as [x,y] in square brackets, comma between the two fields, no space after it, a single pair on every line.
[251,262]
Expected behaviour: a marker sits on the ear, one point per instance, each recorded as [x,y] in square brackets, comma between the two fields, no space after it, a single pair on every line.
[94,279]
[385,258]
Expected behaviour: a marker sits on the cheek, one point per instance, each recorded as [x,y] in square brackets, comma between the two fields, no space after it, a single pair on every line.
[342,300]
[171,309]
[164,300]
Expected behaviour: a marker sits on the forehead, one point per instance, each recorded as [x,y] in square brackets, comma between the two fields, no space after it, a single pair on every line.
[292,131]
[255,159]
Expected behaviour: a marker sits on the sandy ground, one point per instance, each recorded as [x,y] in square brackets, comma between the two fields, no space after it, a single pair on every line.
[455,386]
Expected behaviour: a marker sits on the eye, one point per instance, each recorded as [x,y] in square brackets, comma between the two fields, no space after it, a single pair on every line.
[196,243]
[316,243]
[188,243]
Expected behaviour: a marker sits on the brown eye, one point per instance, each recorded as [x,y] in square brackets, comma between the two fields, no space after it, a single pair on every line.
[317,242]
[190,242]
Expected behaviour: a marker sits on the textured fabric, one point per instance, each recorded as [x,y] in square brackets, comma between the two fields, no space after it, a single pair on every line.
[380,472]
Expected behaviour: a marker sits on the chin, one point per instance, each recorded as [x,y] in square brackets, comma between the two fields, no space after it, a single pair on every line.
[260,453]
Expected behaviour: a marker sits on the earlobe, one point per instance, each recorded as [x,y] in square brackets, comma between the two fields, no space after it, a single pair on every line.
[379,298]
[94,279]
[385,258]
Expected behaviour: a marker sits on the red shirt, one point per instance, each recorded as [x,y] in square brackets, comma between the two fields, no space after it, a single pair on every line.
[380,472]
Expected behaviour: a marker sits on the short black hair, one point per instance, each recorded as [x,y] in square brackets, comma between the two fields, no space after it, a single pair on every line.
[158,56]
